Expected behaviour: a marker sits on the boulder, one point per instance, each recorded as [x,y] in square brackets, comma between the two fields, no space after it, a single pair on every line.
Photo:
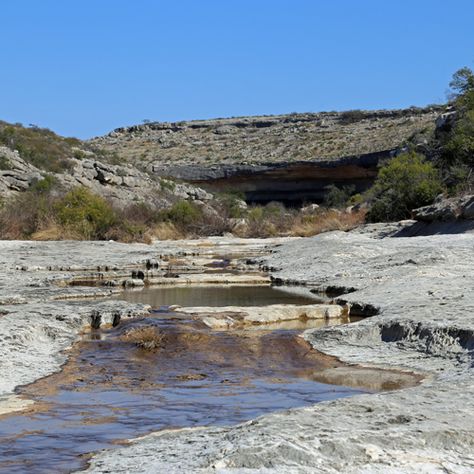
[467,207]
[310,208]
[17,175]
[444,210]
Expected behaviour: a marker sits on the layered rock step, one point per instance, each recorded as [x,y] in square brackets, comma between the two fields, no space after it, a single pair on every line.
[236,316]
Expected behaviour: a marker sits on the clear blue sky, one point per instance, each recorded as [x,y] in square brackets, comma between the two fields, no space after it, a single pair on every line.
[84,67]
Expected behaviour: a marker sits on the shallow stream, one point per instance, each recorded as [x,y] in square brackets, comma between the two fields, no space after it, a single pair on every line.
[112,390]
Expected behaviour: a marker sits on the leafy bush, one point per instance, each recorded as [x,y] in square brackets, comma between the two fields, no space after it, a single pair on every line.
[233,204]
[356,199]
[87,214]
[269,220]
[4,163]
[338,197]
[167,185]
[43,186]
[184,213]
[404,183]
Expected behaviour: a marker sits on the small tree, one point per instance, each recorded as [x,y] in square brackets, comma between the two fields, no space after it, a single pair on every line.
[404,183]
[457,154]
[462,81]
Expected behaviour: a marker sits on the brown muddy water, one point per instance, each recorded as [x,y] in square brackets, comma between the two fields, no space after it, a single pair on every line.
[111,390]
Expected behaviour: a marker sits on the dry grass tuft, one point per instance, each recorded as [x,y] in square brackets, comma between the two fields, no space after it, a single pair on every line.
[165,231]
[146,337]
[54,231]
[327,221]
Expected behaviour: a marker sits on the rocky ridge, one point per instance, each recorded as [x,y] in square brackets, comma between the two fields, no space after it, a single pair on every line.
[122,185]
[447,209]
[269,139]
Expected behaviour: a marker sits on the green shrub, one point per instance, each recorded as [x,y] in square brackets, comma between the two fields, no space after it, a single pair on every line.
[43,186]
[86,214]
[259,222]
[255,214]
[356,199]
[404,183]
[338,197]
[231,203]
[351,116]
[167,185]
[5,163]
[79,154]
[184,213]
[269,220]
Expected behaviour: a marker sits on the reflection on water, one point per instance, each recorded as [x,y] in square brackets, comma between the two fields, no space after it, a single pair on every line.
[223,295]
[112,390]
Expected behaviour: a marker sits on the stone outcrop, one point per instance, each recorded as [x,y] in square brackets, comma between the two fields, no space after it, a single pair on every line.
[126,184]
[17,175]
[122,185]
[447,209]
[289,182]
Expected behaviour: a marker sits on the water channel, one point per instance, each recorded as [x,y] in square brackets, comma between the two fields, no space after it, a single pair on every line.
[112,390]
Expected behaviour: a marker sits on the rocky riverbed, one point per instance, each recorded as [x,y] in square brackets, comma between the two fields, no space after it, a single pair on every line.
[422,291]
[417,291]
[42,308]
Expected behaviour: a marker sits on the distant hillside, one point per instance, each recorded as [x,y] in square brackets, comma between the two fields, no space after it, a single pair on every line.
[279,138]
[288,158]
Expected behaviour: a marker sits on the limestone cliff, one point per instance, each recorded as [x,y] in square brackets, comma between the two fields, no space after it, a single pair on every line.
[290,158]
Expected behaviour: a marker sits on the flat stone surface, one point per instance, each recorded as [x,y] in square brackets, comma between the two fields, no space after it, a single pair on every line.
[210,279]
[423,290]
[12,403]
[229,316]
